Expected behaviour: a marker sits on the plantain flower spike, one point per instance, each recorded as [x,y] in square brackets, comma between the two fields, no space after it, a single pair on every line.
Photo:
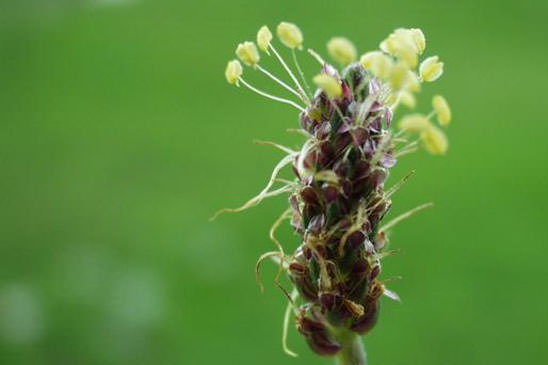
[434,140]
[290,35]
[378,63]
[233,72]
[342,50]
[247,52]
[264,36]
[328,84]
[431,69]
[414,123]
[338,198]
[441,107]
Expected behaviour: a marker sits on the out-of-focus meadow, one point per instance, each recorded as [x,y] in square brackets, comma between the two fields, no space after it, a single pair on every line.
[119,137]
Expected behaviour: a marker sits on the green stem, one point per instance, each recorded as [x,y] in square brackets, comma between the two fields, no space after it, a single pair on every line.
[352,352]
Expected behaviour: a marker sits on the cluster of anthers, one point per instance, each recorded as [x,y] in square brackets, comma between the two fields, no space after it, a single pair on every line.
[337,198]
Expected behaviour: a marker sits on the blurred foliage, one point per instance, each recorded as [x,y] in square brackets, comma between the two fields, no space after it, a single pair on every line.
[119,138]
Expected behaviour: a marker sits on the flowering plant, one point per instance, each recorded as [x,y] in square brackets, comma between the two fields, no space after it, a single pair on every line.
[338,199]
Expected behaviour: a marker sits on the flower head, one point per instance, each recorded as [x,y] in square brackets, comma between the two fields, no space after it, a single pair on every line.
[431,69]
[441,107]
[247,52]
[264,36]
[290,35]
[338,198]
[233,72]
[329,84]
[342,50]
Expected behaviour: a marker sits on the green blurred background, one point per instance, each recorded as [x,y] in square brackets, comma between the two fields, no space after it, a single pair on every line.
[119,137]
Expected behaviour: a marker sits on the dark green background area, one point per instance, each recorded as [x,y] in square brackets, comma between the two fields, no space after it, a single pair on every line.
[119,137]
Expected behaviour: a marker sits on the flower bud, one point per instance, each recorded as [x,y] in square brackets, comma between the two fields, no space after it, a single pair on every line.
[441,107]
[290,35]
[330,85]
[431,69]
[264,36]
[414,123]
[247,52]
[233,72]
[419,39]
[434,140]
[378,63]
[342,50]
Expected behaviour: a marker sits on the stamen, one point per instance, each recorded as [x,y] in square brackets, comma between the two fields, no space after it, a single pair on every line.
[299,87]
[272,97]
[287,87]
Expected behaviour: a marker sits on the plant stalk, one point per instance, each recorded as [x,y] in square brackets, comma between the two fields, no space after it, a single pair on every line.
[352,352]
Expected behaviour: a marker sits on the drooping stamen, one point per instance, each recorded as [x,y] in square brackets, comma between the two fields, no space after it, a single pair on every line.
[299,87]
[287,87]
[272,97]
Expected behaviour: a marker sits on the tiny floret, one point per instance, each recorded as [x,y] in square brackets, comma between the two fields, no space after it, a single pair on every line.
[290,35]
[431,69]
[443,112]
[434,140]
[247,52]
[415,123]
[233,72]
[264,36]
[330,85]
[378,63]
[342,50]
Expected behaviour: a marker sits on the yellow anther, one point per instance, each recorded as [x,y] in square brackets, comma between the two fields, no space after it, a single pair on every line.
[378,63]
[247,52]
[264,36]
[330,85]
[290,35]
[233,72]
[434,140]
[342,50]
[443,112]
[431,69]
